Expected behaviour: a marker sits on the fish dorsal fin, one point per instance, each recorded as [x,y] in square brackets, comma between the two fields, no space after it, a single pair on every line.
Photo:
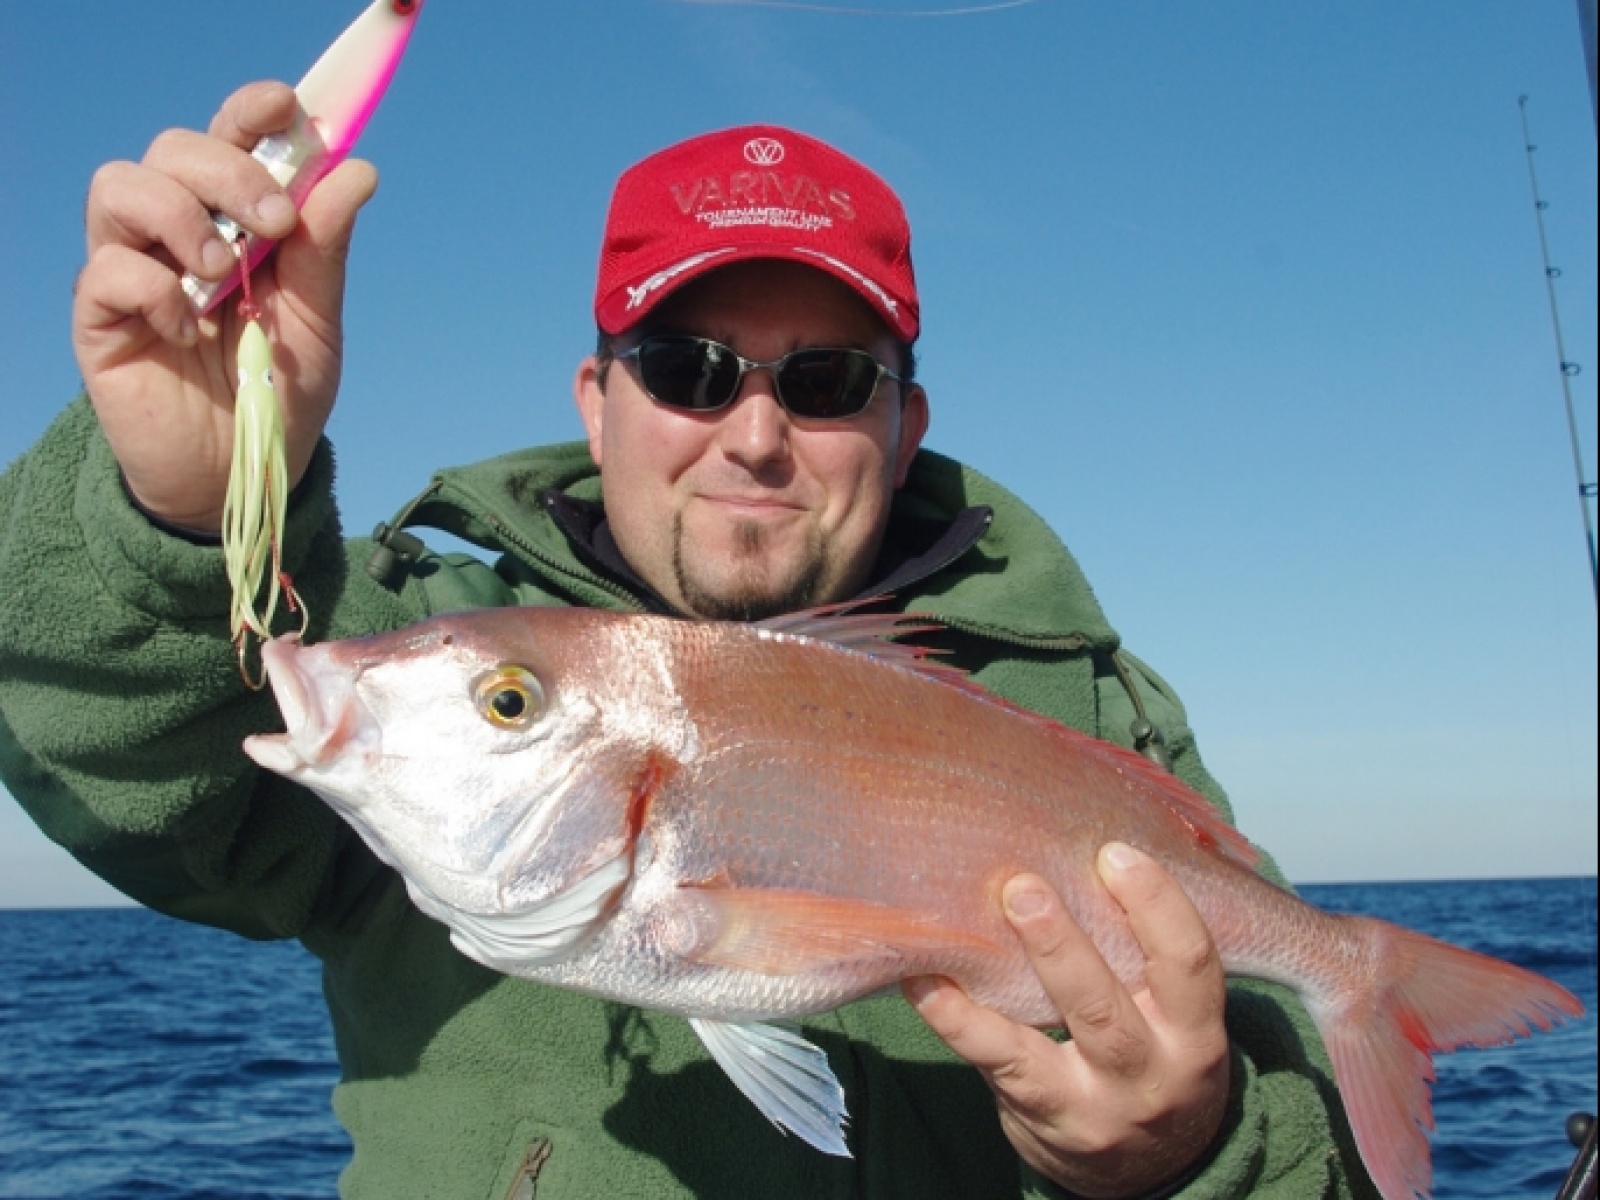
[784,1076]
[539,934]
[871,634]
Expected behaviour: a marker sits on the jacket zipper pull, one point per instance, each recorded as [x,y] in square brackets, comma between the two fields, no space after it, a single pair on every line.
[396,553]
[1148,741]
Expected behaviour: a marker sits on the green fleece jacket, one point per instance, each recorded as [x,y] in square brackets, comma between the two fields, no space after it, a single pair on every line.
[121,717]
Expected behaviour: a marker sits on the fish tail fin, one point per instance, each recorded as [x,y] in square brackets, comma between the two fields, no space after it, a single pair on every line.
[1417,996]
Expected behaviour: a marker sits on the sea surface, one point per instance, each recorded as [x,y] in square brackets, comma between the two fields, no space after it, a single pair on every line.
[143,1057]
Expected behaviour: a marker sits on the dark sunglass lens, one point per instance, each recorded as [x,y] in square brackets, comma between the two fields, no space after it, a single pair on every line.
[828,383]
[688,372]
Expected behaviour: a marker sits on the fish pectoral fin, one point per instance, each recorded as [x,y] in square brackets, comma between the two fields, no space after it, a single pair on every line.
[784,1076]
[544,931]
[774,931]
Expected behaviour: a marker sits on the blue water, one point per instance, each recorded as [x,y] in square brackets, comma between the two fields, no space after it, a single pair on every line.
[143,1057]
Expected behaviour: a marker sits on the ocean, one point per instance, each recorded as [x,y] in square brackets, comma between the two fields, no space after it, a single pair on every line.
[141,1057]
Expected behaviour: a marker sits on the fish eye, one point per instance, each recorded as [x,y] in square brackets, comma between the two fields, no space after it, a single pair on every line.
[509,697]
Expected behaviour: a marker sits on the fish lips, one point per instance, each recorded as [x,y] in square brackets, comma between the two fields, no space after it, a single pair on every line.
[323,715]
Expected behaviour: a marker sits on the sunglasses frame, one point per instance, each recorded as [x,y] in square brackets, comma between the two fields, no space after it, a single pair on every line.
[746,365]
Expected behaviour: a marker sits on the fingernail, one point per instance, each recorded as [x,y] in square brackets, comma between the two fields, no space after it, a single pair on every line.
[188,330]
[216,257]
[274,209]
[1026,902]
[1120,857]
[918,989]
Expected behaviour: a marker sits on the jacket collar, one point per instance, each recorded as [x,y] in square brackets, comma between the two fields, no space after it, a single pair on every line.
[901,565]
[1016,582]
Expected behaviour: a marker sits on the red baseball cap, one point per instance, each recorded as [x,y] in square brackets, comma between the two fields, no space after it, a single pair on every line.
[757,191]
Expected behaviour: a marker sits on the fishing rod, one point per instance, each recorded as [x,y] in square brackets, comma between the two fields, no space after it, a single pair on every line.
[1584,1176]
[1569,369]
[1581,1179]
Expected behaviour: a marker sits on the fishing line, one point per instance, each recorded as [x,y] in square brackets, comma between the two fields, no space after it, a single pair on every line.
[798,6]
[1586,487]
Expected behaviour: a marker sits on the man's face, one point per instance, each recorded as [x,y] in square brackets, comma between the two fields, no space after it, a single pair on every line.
[749,511]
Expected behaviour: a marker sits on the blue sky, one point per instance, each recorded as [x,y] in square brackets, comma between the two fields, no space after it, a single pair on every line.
[1245,298]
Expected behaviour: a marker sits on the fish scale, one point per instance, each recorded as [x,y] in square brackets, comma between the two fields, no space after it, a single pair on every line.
[740,824]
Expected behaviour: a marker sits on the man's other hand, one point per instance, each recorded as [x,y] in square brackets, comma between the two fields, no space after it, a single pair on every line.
[1139,1092]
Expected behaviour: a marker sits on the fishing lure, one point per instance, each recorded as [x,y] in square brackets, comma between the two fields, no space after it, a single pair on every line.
[335,100]
[337,96]
[256,506]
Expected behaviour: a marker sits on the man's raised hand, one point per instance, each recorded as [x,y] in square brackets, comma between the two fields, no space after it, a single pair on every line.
[161,380]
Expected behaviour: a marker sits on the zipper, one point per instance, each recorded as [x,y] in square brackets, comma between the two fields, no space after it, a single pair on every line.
[525,1183]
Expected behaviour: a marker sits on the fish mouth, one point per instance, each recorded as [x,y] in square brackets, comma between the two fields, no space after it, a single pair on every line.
[323,716]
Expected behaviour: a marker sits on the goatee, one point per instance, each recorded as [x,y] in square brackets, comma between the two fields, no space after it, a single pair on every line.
[749,594]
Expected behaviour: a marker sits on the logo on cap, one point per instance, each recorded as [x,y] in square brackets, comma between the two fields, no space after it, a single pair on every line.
[763,152]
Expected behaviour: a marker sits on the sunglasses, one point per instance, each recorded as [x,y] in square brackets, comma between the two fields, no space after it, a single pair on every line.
[696,374]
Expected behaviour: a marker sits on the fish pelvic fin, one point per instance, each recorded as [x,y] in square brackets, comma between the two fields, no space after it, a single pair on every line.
[775,931]
[784,1076]
[1423,996]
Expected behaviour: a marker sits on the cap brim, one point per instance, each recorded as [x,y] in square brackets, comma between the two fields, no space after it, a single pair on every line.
[634,300]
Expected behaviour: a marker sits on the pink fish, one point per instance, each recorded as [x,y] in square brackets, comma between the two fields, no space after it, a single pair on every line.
[740,824]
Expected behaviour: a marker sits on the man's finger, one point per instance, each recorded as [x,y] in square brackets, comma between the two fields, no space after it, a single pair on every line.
[223,179]
[984,1038]
[118,284]
[1105,1023]
[1183,968]
[312,261]
[132,206]
[1020,1064]
[254,111]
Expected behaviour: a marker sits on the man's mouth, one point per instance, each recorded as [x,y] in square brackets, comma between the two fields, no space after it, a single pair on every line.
[755,505]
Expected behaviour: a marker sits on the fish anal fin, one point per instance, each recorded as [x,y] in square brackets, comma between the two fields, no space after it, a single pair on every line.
[784,1076]
[775,931]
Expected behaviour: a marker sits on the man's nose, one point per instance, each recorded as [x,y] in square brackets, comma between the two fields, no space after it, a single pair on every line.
[755,431]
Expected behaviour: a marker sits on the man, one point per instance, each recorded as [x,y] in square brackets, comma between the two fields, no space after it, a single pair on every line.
[754,427]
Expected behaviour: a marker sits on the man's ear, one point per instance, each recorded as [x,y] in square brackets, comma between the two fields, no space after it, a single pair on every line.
[591,401]
[913,428]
